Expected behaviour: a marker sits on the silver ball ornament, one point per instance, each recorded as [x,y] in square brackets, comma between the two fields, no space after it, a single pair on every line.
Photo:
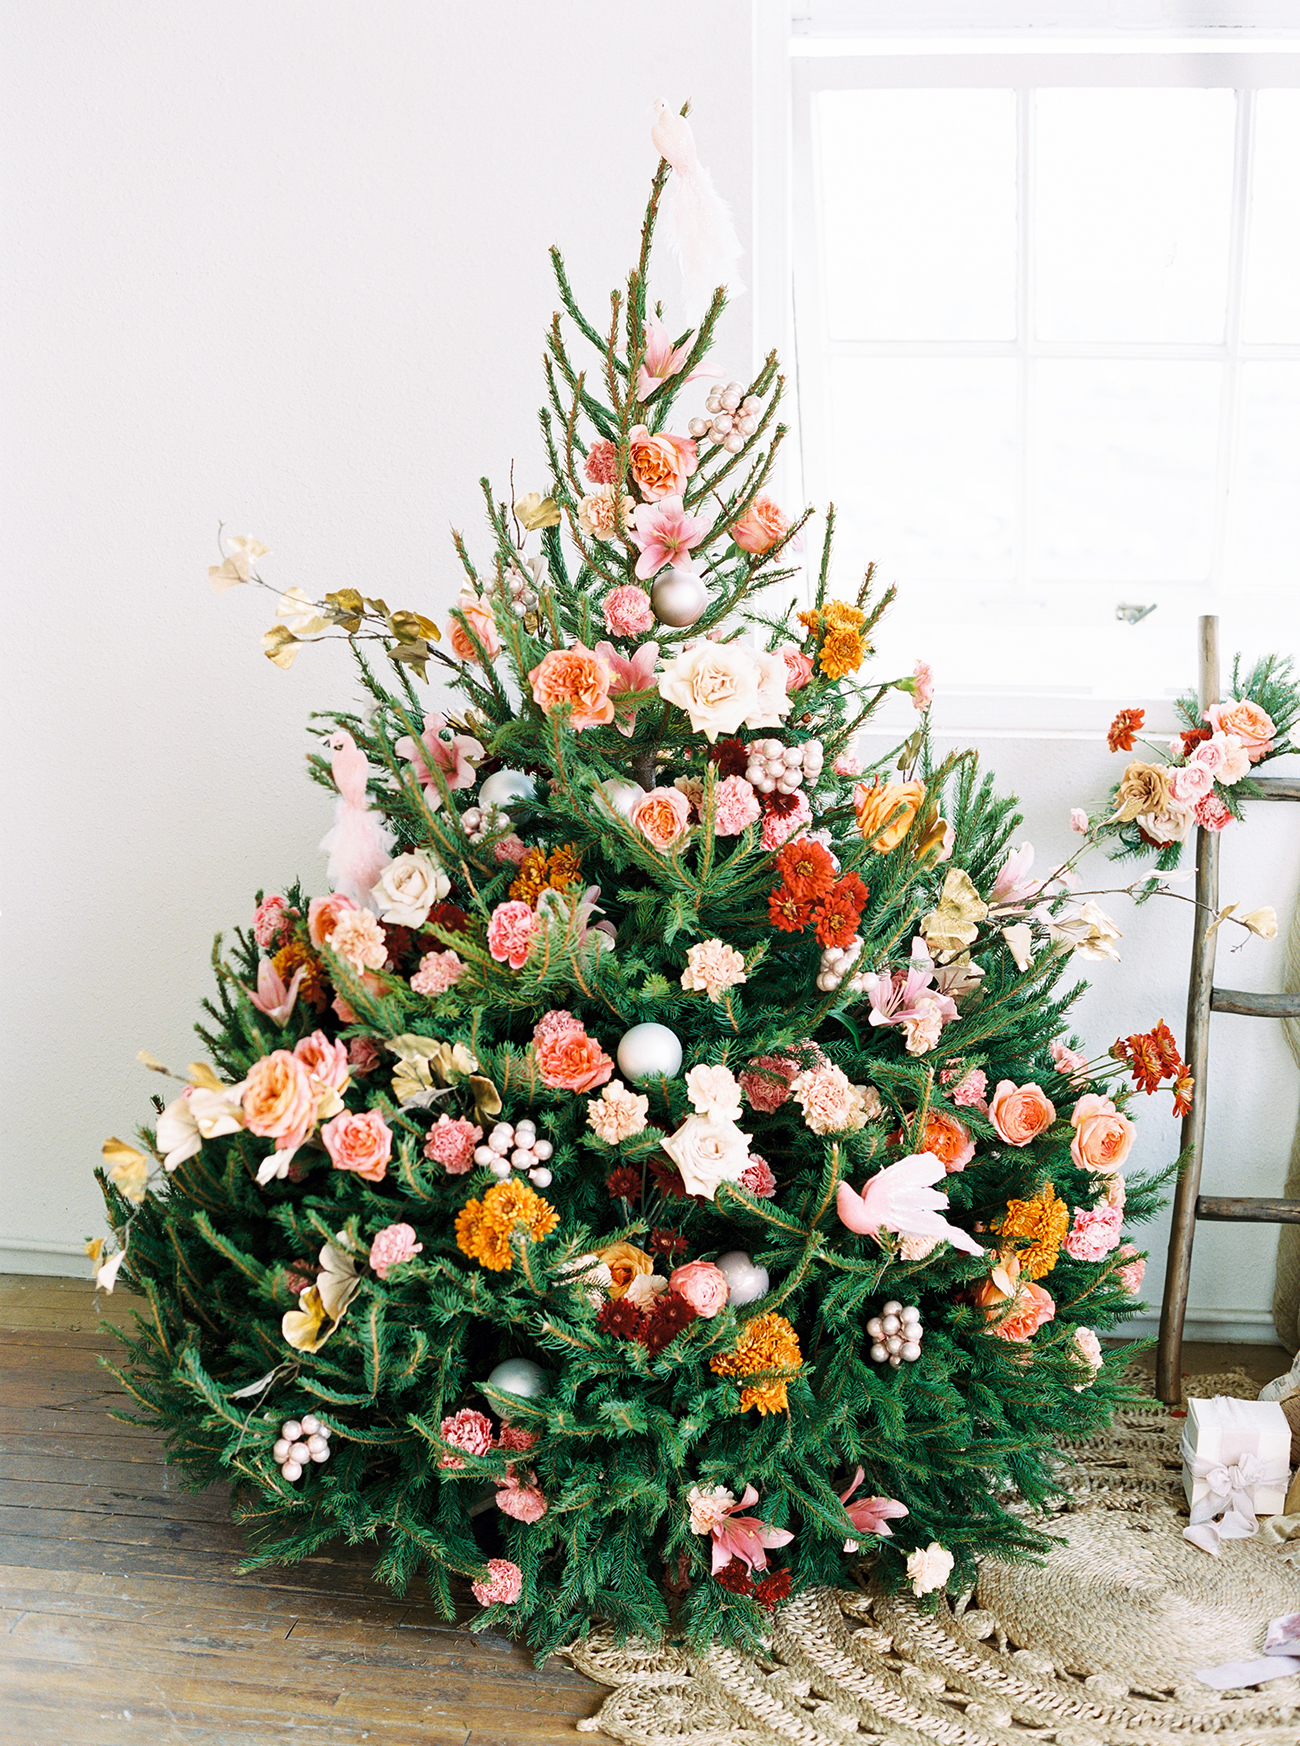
[620,797]
[649,1050]
[745,1278]
[911,1351]
[678,597]
[878,1354]
[520,1376]
[503,786]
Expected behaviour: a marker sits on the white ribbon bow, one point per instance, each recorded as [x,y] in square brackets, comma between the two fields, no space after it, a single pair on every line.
[1231,1496]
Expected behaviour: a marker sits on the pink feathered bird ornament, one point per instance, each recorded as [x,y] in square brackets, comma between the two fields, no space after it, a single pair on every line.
[900,1198]
[359,845]
[695,217]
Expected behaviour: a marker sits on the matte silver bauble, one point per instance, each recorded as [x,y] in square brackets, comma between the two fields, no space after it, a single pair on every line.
[678,597]
[648,1050]
[520,1376]
[748,1281]
[503,786]
[620,797]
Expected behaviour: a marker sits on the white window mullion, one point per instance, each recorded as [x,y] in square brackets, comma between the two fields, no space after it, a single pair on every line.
[1024,333]
[1231,397]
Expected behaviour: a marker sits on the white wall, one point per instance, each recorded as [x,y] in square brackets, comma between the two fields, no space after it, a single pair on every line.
[285,266]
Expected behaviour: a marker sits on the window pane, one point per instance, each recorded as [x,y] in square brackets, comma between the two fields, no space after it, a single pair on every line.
[1272,307]
[1132,208]
[1123,458]
[924,463]
[918,213]
[1264,534]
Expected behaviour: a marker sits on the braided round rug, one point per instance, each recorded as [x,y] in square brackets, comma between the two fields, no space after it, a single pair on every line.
[1096,1646]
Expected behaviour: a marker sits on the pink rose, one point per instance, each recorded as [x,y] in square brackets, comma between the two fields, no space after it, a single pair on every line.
[567,1058]
[1070,1064]
[392,1245]
[1130,1275]
[478,616]
[279,1100]
[627,612]
[363,1056]
[451,1143]
[504,1585]
[576,676]
[360,1143]
[327,1062]
[1079,820]
[703,1285]
[1021,1113]
[1094,1233]
[1102,1137]
[1212,814]
[1248,722]
[761,527]
[799,668]
[510,933]
[270,920]
[1021,1316]
[848,763]
[467,1430]
[323,915]
[660,464]
[1191,782]
[661,816]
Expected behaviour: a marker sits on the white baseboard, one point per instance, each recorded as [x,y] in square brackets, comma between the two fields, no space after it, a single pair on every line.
[1247,1327]
[43,1258]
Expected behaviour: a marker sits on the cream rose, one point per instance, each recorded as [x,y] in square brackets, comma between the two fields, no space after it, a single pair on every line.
[708,1152]
[719,685]
[409,887]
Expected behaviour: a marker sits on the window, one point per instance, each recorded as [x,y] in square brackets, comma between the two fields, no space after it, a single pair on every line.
[1047,324]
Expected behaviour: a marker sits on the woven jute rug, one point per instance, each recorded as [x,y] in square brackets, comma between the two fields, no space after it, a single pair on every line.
[1096,1646]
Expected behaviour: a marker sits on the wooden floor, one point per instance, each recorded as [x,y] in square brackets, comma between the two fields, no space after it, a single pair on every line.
[122,1618]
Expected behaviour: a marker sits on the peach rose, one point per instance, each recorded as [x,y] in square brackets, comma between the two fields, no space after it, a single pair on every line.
[1248,721]
[323,916]
[703,1286]
[948,1140]
[625,1263]
[1102,1137]
[578,677]
[874,804]
[1020,1113]
[361,1143]
[660,464]
[279,1100]
[478,616]
[761,526]
[661,816]
[1023,1315]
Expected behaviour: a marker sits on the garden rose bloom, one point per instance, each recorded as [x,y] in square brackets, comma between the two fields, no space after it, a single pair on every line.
[1020,1317]
[510,933]
[1131,1274]
[576,676]
[567,1058]
[798,667]
[526,1503]
[717,684]
[662,817]
[708,1152]
[504,1585]
[408,888]
[1248,722]
[1212,814]
[625,1263]
[438,972]
[1143,788]
[735,805]
[392,1245]
[279,1099]
[1102,1137]
[831,1105]
[1190,783]
[478,616]
[1094,1233]
[660,464]
[1021,1113]
[874,804]
[467,1430]
[923,1026]
[1088,1347]
[766,1081]
[617,1114]
[703,1285]
[328,1065]
[597,515]
[363,1056]
[714,1091]
[451,1143]
[360,1143]
[1170,825]
[270,919]
[359,940]
[761,526]
[712,967]
[323,915]
[627,612]
[948,1140]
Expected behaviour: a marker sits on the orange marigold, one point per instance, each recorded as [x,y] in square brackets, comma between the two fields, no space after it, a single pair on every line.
[564,868]
[843,652]
[1042,1224]
[313,989]
[484,1227]
[1119,735]
[530,881]
[768,1347]
[840,616]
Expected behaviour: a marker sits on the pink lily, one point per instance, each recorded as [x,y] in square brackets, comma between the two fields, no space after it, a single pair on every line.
[271,995]
[870,1515]
[455,757]
[895,993]
[663,359]
[559,903]
[900,1198]
[1013,884]
[665,533]
[634,675]
[745,1537]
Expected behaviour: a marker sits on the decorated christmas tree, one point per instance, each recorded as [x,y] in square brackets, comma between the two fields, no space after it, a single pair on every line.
[658,1175]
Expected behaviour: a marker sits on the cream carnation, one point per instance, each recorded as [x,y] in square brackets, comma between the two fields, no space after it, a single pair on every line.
[708,1505]
[359,940]
[831,1105]
[1088,1347]
[617,1114]
[929,1568]
[714,1091]
[712,967]
[598,515]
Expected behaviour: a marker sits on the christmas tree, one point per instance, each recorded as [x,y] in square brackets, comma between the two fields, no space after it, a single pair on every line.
[658,1174]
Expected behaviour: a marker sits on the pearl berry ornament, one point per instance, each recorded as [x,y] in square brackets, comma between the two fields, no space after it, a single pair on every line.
[480,822]
[776,767]
[648,1050]
[520,1376]
[503,786]
[733,418]
[301,1442]
[745,1278]
[678,597]
[896,1334]
[516,1146]
[836,966]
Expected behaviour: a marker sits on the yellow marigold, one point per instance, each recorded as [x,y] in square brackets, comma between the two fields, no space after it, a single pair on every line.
[768,1345]
[1042,1223]
[840,616]
[312,989]
[842,652]
[483,1227]
[531,878]
[564,867]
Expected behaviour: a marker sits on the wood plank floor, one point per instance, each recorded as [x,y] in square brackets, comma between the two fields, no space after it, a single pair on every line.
[122,1618]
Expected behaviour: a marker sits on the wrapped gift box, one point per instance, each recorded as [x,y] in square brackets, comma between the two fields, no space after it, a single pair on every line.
[1222,1430]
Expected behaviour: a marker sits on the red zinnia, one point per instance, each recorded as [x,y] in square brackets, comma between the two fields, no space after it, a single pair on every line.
[622,1319]
[806,869]
[852,888]
[786,911]
[670,1314]
[1119,735]
[836,923]
[1192,737]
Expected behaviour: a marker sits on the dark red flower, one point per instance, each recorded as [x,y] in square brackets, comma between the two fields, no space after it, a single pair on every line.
[449,916]
[624,1183]
[734,1577]
[786,911]
[731,757]
[1119,735]
[622,1319]
[773,1588]
[1192,737]
[779,804]
[668,1178]
[664,1241]
[669,1314]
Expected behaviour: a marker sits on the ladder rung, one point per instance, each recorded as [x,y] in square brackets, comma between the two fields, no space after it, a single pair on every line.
[1252,1210]
[1278,1006]
[1278,787]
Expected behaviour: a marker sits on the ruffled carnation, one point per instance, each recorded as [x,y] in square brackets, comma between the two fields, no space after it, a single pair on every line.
[270,919]
[510,933]
[712,967]
[567,1058]
[627,612]
[601,465]
[438,972]
[504,1585]
[847,764]
[757,1178]
[392,1245]
[525,1502]
[831,1105]
[1094,1233]
[1088,1348]
[1070,1064]
[709,1507]
[1132,1273]
[451,1143]
[766,1081]
[1212,814]
[735,806]
[324,914]
[467,1430]
[515,1439]
[577,677]
[970,1090]
[714,1091]
[617,1114]
[598,512]
[359,940]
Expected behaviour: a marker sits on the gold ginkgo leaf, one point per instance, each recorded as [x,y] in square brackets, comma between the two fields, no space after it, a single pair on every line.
[954,923]
[280,646]
[128,1170]
[536,511]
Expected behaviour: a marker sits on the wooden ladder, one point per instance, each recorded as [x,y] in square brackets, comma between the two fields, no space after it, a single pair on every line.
[1203,998]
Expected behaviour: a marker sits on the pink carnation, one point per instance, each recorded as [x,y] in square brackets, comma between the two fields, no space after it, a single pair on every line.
[767,1080]
[363,1055]
[970,1090]
[514,1437]
[1088,1347]
[757,1178]
[393,1244]
[525,1502]
[735,806]
[1212,814]
[437,973]
[451,1143]
[505,1581]
[510,933]
[627,612]
[778,826]
[567,1058]
[1094,1233]
[1131,1274]
[270,919]
[1079,820]
[359,940]
[510,849]
[1070,1064]
[923,688]
[467,1430]
[847,764]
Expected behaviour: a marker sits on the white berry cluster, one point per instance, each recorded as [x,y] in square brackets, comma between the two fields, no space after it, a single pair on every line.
[783,768]
[519,1146]
[837,966]
[479,822]
[733,417]
[520,585]
[300,1441]
[896,1332]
